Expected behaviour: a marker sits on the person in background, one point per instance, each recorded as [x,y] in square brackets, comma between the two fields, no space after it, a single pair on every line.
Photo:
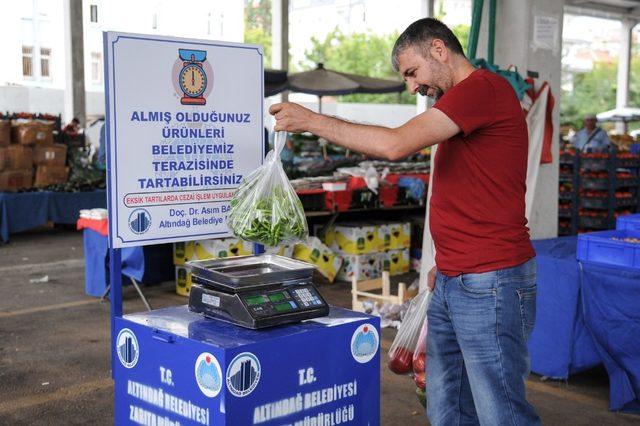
[101,162]
[590,137]
[72,129]
[287,154]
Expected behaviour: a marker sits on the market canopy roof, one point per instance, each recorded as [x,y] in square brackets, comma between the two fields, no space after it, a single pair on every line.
[611,9]
[324,82]
[624,114]
[275,81]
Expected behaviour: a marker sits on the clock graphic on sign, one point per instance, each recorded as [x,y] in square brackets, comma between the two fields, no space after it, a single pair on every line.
[192,78]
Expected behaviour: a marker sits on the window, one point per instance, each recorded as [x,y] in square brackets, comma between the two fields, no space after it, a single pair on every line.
[96,67]
[45,61]
[93,11]
[27,61]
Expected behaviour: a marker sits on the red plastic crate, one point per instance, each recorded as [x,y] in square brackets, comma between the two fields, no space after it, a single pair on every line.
[338,201]
[388,195]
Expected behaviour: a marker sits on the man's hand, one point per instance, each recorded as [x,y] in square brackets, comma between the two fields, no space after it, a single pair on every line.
[431,278]
[292,117]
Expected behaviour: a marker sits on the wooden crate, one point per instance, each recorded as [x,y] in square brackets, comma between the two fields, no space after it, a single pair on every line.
[378,290]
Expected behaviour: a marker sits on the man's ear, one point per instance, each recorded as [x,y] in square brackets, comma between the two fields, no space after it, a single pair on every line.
[439,50]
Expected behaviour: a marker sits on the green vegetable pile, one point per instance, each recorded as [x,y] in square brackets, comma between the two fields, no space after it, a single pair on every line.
[265,209]
[270,219]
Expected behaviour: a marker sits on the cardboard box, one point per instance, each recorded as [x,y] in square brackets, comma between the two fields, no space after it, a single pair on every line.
[14,180]
[285,250]
[182,252]
[5,132]
[222,247]
[354,238]
[32,133]
[210,249]
[362,267]
[399,235]
[52,155]
[326,261]
[50,175]
[183,280]
[16,157]
[395,261]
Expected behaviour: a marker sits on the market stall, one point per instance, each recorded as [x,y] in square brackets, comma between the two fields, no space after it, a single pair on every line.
[585,309]
[46,175]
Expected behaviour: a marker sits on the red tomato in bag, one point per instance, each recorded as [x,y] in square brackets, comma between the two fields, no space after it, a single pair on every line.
[420,380]
[419,363]
[400,361]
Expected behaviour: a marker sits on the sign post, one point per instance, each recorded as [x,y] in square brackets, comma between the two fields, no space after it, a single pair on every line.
[184,126]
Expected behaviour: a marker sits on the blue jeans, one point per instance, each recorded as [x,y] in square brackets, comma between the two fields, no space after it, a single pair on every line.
[477,359]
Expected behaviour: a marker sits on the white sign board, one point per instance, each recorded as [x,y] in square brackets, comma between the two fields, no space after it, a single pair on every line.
[545,32]
[184,127]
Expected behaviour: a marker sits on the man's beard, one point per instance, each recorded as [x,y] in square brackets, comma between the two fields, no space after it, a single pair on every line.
[431,92]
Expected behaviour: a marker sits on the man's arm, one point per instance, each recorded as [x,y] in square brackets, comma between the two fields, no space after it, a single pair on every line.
[426,129]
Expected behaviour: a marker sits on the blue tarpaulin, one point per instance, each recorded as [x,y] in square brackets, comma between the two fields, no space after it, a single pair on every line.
[610,296]
[587,314]
[148,264]
[27,210]
[560,344]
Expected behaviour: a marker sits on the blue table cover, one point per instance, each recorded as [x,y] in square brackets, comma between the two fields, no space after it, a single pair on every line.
[27,210]
[610,300]
[147,265]
[560,344]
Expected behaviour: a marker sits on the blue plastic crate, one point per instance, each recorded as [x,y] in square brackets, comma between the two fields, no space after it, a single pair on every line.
[630,222]
[600,247]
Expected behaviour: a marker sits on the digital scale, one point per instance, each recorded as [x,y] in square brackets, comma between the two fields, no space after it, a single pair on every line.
[255,291]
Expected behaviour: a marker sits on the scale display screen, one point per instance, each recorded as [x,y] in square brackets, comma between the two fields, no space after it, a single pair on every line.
[283,307]
[256,300]
[277,297]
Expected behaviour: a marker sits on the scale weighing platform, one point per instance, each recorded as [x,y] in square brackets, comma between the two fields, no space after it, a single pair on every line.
[255,291]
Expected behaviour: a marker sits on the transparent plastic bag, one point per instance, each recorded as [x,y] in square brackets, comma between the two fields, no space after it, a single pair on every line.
[420,357]
[265,209]
[403,346]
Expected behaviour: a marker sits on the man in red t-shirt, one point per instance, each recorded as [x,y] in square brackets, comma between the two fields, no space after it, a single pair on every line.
[483,306]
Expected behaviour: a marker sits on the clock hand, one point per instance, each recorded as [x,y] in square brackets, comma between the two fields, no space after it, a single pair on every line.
[193,78]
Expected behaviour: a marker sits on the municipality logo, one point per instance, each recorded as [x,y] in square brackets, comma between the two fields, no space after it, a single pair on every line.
[364,343]
[127,348]
[243,374]
[208,374]
[139,221]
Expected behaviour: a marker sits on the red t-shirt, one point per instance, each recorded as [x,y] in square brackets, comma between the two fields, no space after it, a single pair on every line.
[477,216]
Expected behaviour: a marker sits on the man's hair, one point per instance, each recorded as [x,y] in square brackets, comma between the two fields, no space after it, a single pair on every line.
[419,35]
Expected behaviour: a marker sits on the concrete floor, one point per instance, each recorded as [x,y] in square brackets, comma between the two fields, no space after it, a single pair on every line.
[54,348]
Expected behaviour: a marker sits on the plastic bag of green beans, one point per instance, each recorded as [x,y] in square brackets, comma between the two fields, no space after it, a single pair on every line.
[265,209]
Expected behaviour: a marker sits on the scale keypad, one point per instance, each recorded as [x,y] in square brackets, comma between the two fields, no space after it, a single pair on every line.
[306,297]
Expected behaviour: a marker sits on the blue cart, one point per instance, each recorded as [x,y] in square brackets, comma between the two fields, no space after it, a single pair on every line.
[174,367]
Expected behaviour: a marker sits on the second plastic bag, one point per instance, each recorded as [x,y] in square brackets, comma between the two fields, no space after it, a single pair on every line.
[403,346]
[266,209]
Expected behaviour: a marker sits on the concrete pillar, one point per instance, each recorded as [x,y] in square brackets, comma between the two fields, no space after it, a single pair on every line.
[426,11]
[280,37]
[516,45]
[74,94]
[624,66]
[428,260]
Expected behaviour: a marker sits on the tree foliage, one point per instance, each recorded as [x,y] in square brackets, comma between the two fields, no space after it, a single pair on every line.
[257,25]
[365,54]
[595,91]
